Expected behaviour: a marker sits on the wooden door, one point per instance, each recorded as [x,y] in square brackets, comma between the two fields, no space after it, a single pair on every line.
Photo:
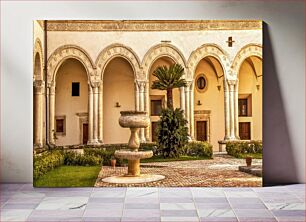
[245,131]
[201,130]
[85,133]
[153,131]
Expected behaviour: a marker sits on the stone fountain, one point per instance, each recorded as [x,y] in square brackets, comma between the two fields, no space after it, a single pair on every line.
[133,120]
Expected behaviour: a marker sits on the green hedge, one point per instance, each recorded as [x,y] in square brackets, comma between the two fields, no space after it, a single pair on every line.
[105,154]
[236,148]
[199,148]
[76,159]
[46,162]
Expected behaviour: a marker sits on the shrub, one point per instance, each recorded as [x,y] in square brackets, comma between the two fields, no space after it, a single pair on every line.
[236,148]
[75,159]
[172,133]
[105,155]
[46,162]
[199,148]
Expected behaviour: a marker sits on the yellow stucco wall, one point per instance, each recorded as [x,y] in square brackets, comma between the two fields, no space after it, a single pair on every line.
[248,85]
[118,86]
[67,105]
[211,99]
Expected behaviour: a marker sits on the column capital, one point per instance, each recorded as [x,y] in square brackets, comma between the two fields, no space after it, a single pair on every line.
[141,84]
[51,87]
[232,82]
[39,86]
[95,84]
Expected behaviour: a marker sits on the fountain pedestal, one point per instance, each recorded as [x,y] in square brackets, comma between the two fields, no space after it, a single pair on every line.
[133,120]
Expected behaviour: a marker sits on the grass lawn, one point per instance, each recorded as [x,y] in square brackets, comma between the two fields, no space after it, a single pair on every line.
[181,158]
[69,176]
[253,155]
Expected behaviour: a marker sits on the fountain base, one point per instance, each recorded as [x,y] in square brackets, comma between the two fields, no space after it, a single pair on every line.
[142,178]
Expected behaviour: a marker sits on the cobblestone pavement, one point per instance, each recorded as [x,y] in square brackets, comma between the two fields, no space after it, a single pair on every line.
[222,171]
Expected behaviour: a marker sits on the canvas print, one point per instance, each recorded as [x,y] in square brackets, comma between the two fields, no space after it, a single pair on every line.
[147,103]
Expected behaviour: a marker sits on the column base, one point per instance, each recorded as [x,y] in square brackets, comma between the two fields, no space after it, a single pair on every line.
[94,142]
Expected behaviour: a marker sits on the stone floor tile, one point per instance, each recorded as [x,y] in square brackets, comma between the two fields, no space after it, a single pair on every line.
[253,213]
[225,205]
[105,200]
[289,213]
[177,206]
[179,219]
[140,219]
[245,200]
[176,200]
[256,219]
[62,203]
[141,200]
[102,205]
[141,205]
[20,206]
[142,192]
[237,205]
[14,214]
[101,219]
[109,193]
[216,213]
[10,186]
[57,213]
[218,219]
[285,206]
[207,192]
[142,213]
[241,194]
[103,213]
[178,213]
[210,200]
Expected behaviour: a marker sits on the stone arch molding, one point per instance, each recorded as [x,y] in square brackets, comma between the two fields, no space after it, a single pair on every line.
[118,50]
[38,50]
[66,52]
[245,52]
[159,51]
[208,50]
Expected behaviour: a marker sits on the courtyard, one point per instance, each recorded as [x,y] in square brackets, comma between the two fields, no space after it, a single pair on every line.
[221,171]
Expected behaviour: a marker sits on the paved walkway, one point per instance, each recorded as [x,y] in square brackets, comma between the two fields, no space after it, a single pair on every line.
[222,171]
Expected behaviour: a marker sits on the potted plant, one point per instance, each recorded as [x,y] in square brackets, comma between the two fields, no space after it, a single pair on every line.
[113,161]
[248,161]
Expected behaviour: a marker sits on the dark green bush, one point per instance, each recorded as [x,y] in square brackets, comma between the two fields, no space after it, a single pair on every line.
[236,148]
[199,148]
[76,159]
[172,133]
[104,154]
[47,161]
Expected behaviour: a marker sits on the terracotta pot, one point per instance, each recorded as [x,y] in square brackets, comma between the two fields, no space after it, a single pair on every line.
[248,161]
[113,162]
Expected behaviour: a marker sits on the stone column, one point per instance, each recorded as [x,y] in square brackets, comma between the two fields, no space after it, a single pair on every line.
[52,113]
[236,118]
[191,93]
[100,113]
[232,109]
[90,115]
[226,110]
[146,108]
[95,90]
[187,104]
[39,91]
[182,99]
[141,107]
[136,96]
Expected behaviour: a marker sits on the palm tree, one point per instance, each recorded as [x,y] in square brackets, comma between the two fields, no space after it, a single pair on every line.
[168,79]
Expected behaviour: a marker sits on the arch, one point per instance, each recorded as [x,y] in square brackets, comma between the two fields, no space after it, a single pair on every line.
[245,52]
[66,52]
[206,50]
[118,50]
[38,51]
[158,51]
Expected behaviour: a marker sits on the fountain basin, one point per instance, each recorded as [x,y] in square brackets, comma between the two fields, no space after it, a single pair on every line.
[134,119]
[133,155]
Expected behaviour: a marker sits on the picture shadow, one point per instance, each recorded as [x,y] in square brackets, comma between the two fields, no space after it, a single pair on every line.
[278,159]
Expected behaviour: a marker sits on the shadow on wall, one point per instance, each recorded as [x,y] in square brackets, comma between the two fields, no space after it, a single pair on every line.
[279,164]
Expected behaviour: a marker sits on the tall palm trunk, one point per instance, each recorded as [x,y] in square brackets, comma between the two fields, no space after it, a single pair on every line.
[169,98]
